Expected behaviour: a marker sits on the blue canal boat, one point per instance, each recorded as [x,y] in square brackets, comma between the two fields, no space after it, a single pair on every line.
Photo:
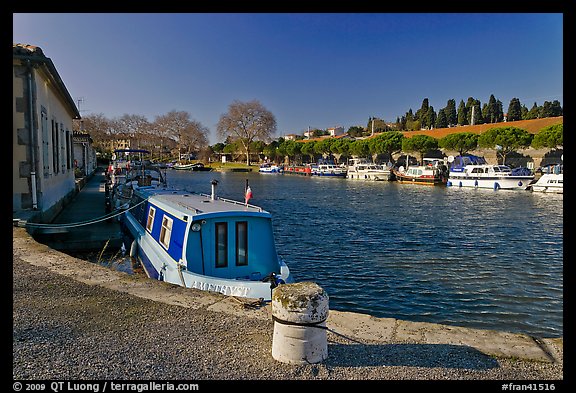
[205,242]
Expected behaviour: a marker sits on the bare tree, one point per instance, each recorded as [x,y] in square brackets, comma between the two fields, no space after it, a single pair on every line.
[190,135]
[247,122]
[135,126]
[97,125]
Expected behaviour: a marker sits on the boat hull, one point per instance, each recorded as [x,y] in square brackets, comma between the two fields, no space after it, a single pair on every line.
[328,174]
[549,183]
[369,176]
[271,170]
[494,183]
[183,167]
[158,267]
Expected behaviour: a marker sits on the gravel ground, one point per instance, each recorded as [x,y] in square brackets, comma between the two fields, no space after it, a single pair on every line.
[66,330]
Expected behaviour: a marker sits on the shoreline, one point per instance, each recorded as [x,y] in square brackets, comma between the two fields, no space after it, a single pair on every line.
[75,319]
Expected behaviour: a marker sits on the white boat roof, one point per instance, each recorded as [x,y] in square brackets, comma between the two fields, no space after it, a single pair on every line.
[180,202]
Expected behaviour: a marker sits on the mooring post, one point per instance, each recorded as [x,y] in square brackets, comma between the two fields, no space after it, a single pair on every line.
[299,312]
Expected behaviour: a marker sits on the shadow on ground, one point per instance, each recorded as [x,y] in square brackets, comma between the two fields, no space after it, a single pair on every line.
[411,355]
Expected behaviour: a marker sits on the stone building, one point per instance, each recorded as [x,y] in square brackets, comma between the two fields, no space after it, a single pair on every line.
[42,146]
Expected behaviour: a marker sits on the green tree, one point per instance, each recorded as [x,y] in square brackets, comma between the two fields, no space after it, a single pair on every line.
[550,137]
[441,120]
[341,146]
[218,147]
[534,112]
[556,109]
[422,113]
[323,146]
[514,110]
[309,149]
[462,114]
[421,144]
[387,142]
[462,142]
[505,140]
[271,151]
[524,112]
[355,131]
[492,114]
[360,148]
[430,117]
[450,112]
[473,108]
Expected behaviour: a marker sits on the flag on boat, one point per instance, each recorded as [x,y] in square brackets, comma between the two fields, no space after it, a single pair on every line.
[248,194]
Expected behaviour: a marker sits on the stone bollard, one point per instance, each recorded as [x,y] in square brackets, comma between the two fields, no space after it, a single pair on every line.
[299,312]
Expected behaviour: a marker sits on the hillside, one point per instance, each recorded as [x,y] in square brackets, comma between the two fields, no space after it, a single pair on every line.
[532,126]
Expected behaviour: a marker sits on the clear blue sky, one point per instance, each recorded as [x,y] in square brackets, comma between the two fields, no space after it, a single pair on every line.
[314,70]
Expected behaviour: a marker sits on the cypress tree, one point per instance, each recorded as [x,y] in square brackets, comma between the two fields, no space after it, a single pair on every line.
[462,114]
[514,110]
[442,119]
[450,112]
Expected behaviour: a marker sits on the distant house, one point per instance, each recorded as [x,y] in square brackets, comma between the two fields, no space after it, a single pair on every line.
[290,137]
[116,142]
[43,159]
[84,153]
[335,131]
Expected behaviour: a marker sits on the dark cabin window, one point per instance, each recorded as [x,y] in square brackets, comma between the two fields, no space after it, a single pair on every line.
[242,243]
[221,244]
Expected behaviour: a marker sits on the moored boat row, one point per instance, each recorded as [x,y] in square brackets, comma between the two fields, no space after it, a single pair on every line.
[460,171]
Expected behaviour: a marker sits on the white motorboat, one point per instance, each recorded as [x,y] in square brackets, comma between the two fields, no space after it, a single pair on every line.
[550,183]
[362,169]
[474,171]
[270,168]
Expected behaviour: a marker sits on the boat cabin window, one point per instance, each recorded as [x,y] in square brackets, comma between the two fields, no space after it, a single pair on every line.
[166,231]
[241,243]
[221,244]
[150,221]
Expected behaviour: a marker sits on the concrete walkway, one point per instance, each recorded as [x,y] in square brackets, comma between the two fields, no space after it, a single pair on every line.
[360,342]
[87,205]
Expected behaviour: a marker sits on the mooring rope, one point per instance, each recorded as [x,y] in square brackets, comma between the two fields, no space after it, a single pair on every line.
[105,217]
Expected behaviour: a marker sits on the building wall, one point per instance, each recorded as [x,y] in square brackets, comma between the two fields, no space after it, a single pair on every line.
[20,185]
[52,146]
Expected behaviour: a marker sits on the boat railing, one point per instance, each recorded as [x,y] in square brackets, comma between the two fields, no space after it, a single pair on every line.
[233,202]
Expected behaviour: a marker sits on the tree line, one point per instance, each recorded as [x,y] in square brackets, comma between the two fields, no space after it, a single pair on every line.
[473,112]
[504,140]
[248,127]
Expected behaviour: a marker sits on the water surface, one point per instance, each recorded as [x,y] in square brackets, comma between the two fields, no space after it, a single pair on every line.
[475,258]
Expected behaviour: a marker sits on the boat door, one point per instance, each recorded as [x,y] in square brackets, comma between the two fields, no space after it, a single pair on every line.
[195,247]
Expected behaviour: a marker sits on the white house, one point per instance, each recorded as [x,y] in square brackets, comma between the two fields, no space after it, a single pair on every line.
[84,153]
[42,159]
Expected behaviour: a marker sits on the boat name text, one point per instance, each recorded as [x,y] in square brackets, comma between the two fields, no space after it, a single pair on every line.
[223,289]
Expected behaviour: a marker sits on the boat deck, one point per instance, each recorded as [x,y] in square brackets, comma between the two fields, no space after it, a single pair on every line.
[192,203]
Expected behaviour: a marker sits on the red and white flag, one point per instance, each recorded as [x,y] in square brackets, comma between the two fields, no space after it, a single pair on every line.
[248,194]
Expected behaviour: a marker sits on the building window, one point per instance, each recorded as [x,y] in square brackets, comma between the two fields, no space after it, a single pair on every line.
[166,231]
[68,150]
[55,146]
[221,244]
[45,142]
[242,243]
[150,222]
[62,148]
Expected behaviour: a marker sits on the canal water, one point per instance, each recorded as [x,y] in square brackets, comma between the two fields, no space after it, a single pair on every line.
[475,258]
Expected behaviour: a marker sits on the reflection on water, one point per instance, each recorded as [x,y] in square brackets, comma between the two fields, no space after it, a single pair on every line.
[476,258]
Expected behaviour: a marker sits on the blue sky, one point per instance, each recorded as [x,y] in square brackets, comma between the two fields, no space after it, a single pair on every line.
[315,70]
